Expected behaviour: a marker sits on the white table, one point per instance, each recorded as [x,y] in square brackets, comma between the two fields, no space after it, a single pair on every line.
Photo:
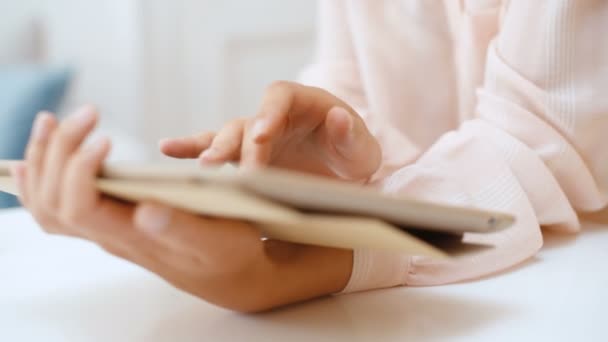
[58,289]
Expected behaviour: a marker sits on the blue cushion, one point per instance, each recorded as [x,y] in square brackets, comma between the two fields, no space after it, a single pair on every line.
[24,91]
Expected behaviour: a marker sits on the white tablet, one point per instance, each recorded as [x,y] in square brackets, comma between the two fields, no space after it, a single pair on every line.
[298,207]
[311,194]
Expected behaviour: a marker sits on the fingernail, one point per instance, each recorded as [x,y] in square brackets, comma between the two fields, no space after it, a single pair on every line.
[41,126]
[153,218]
[96,147]
[260,128]
[163,141]
[210,154]
[83,116]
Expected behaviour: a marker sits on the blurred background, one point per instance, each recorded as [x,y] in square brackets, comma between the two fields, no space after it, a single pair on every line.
[155,68]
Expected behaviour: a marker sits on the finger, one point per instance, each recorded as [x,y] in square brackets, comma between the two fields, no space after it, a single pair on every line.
[352,151]
[64,142]
[44,126]
[110,226]
[272,116]
[269,124]
[289,112]
[226,144]
[210,239]
[291,106]
[187,147]
[255,154]
[18,173]
[80,196]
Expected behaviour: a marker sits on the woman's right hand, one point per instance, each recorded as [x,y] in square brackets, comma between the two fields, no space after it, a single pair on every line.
[298,128]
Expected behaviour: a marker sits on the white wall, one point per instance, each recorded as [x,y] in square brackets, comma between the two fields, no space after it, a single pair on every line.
[19,39]
[218,57]
[161,68]
[100,41]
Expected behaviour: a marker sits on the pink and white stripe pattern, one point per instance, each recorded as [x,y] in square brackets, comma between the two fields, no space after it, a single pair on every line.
[494,104]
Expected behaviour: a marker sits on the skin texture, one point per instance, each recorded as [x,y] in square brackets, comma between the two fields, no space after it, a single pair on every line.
[221,261]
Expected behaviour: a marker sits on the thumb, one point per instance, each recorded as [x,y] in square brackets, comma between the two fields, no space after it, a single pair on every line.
[180,230]
[353,152]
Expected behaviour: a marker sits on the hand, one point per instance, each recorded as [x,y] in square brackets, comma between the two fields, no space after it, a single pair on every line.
[222,261]
[297,127]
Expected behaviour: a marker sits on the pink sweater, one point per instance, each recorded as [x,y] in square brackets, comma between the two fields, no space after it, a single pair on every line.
[489,103]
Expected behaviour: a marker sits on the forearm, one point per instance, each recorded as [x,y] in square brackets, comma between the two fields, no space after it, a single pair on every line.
[295,273]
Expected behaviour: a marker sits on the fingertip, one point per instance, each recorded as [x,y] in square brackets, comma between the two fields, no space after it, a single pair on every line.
[173,148]
[163,142]
[260,131]
[204,161]
[88,111]
[208,163]
[267,124]
[104,141]
[211,156]
[98,148]
[164,145]
[91,108]
[45,115]
[85,117]
[51,119]
[42,127]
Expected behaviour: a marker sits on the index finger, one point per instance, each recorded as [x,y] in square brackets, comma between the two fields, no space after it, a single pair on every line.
[272,116]
[186,147]
[288,110]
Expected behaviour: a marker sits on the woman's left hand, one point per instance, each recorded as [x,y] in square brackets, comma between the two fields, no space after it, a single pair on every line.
[221,261]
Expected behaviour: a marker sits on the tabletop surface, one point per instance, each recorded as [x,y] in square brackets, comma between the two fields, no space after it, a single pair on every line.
[60,289]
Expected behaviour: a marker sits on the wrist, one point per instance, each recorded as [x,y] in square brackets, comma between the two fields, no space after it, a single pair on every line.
[297,273]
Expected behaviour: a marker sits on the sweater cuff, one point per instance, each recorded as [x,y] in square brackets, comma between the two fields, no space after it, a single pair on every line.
[374,269]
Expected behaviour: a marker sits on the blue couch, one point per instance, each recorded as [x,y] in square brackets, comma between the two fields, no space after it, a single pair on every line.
[24,91]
